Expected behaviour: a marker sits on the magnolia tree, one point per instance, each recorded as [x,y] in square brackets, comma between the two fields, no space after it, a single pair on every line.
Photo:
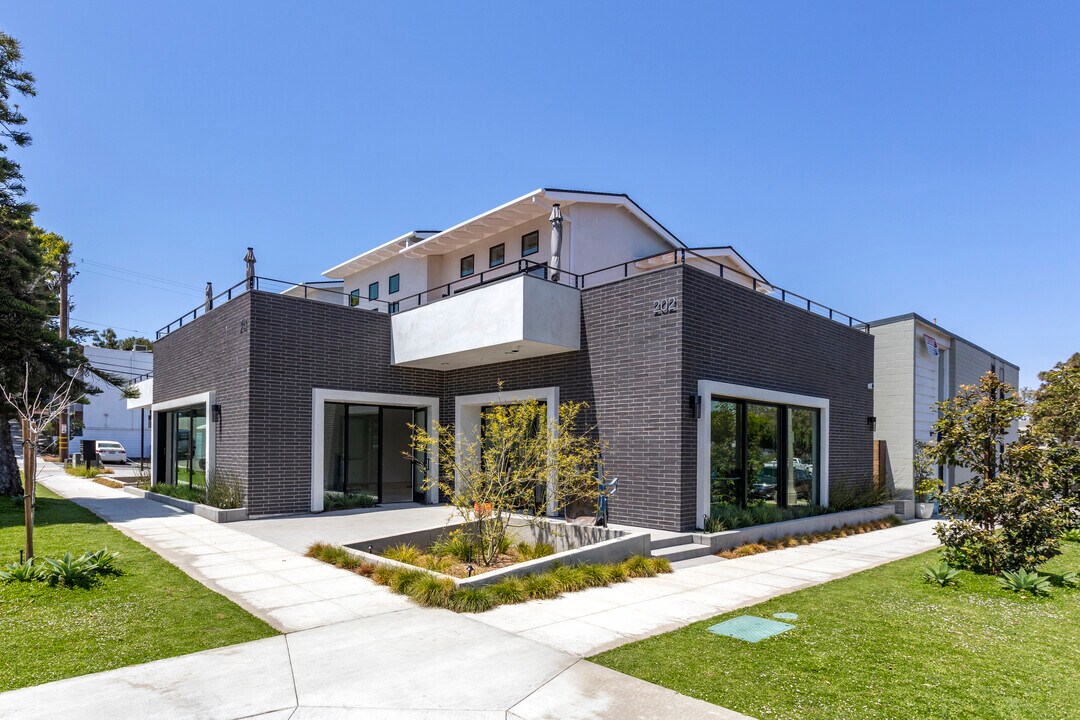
[519,464]
[1009,515]
[36,410]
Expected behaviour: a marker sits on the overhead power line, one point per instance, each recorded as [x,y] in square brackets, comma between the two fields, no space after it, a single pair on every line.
[141,274]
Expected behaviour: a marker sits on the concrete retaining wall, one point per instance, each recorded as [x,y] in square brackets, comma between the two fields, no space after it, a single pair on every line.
[214,514]
[730,539]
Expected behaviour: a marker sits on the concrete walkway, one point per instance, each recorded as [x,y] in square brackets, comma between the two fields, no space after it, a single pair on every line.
[354,649]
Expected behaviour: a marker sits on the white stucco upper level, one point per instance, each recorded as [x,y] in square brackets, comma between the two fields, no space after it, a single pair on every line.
[599,230]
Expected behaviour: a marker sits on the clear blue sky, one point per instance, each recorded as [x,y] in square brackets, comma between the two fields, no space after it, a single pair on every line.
[879,158]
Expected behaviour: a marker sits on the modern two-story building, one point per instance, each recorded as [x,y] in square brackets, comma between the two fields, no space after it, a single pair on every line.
[918,364]
[708,384]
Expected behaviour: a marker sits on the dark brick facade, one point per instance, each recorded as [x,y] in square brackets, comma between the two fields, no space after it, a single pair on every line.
[635,370]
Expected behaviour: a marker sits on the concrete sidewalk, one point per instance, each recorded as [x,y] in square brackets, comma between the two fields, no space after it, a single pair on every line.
[354,649]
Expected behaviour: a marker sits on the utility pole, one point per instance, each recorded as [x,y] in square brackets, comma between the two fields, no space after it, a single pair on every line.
[62,419]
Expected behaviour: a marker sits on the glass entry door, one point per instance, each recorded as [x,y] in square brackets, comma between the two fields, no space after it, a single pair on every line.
[186,451]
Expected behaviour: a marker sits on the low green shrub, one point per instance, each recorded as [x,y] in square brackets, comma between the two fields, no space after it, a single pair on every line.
[192,493]
[455,545]
[1065,579]
[810,538]
[86,472]
[347,501]
[26,571]
[472,599]
[68,571]
[1072,535]
[940,573]
[334,555]
[431,591]
[404,552]
[1025,581]
[224,490]
[532,551]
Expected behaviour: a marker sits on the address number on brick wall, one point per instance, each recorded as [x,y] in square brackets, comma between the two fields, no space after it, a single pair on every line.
[664,306]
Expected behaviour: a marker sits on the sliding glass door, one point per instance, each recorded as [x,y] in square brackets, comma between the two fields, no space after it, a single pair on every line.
[762,454]
[364,451]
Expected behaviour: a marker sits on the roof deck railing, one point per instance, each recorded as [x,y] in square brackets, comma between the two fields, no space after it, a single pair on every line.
[524,266]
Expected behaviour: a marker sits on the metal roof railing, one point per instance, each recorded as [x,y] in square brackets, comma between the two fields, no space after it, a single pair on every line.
[581,281]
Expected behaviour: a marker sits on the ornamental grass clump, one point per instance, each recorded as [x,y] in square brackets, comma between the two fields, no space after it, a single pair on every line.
[430,590]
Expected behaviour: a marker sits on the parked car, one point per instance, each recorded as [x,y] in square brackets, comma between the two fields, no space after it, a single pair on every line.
[764,485]
[111,451]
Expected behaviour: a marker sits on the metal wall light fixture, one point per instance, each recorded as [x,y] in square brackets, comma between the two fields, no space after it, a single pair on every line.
[871,423]
[694,401]
[215,412]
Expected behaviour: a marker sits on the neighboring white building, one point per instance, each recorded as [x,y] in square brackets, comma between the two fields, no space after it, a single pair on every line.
[106,416]
[916,365]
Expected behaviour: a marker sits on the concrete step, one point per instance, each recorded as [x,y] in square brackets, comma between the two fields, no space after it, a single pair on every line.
[671,540]
[675,553]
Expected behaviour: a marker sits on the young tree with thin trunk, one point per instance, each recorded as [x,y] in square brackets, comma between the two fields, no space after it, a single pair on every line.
[516,464]
[36,410]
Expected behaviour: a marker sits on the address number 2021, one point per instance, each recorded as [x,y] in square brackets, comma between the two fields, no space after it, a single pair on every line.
[664,306]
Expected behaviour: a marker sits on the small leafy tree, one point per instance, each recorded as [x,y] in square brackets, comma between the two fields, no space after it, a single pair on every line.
[927,483]
[1055,421]
[1008,515]
[520,464]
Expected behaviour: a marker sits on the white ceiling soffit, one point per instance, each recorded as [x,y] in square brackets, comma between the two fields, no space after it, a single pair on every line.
[526,208]
[375,255]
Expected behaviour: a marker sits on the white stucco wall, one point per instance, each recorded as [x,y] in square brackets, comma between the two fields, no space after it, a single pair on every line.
[481,326]
[107,416]
[414,279]
[894,398]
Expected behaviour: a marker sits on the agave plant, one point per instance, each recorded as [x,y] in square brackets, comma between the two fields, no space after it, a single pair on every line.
[67,571]
[1065,579]
[20,571]
[940,573]
[1025,580]
[101,562]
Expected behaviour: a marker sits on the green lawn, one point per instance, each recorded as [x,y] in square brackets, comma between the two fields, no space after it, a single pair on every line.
[884,644]
[152,611]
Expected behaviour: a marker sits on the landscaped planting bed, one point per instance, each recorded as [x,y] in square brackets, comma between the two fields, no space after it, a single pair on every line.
[429,589]
[884,643]
[150,610]
[789,541]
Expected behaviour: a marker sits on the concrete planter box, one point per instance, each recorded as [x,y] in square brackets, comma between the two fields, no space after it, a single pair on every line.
[924,511]
[217,515]
[574,544]
[730,539]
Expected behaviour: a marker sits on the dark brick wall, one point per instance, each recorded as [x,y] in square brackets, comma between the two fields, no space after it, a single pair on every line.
[733,334]
[298,345]
[635,371]
[213,353]
[627,371]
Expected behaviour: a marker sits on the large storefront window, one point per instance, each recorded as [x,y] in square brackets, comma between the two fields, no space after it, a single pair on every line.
[364,451]
[763,454]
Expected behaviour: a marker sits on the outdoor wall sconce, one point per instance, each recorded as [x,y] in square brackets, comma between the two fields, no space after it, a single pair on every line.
[871,423]
[215,413]
[695,404]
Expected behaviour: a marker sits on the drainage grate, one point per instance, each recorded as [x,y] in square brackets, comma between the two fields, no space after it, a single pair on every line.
[750,628]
